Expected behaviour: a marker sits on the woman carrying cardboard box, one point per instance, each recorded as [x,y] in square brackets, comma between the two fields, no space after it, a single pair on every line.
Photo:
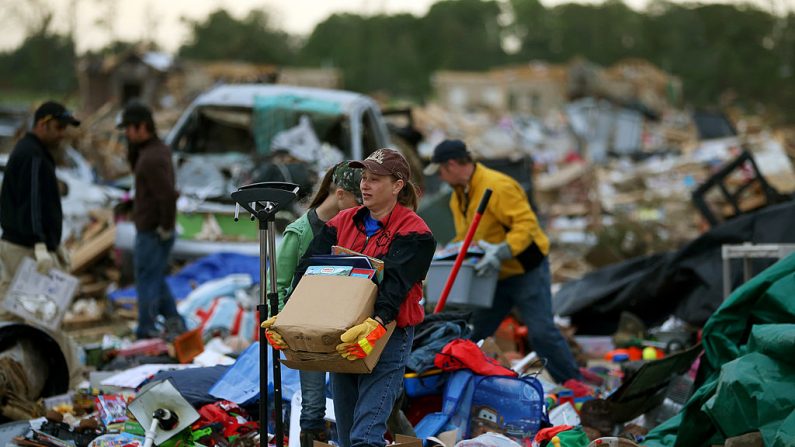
[385,227]
[339,190]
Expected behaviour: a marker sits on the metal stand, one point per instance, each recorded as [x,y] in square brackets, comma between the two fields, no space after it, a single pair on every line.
[748,251]
[263,200]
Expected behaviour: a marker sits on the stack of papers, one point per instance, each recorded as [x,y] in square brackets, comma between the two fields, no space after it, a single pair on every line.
[375,263]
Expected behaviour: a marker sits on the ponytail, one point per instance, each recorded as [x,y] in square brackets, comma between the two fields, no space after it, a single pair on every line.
[408,196]
[323,190]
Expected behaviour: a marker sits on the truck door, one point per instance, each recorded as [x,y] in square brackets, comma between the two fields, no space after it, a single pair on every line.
[368,131]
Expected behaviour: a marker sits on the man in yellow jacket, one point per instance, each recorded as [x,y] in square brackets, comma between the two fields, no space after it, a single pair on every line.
[514,244]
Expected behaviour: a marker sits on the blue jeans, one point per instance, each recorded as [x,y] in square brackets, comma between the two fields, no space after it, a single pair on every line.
[363,402]
[530,293]
[151,256]
[313,400]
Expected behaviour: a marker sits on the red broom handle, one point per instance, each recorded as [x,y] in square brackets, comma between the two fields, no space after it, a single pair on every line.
[459,259]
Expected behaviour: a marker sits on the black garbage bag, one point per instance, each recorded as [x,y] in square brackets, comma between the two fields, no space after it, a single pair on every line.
[687,283]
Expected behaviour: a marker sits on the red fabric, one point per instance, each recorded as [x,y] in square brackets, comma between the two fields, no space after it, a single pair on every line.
[578,388]
[238,318]
[547,434]
[402,221]
[419,407]
[591,377]
[463,354]
[205,314]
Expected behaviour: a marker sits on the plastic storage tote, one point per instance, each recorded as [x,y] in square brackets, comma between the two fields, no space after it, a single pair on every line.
[468,288]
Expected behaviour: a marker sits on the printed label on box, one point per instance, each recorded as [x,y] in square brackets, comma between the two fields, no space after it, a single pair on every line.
[329,270]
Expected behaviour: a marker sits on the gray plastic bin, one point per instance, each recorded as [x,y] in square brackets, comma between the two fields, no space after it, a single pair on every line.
[468,288]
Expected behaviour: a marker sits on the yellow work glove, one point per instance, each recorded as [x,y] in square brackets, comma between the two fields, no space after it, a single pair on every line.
[44,260]
[273,337]
[358,342]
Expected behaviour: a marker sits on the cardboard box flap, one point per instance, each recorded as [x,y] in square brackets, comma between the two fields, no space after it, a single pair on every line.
[407,441]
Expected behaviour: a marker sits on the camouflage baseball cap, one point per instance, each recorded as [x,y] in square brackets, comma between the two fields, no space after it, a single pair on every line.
[348,178]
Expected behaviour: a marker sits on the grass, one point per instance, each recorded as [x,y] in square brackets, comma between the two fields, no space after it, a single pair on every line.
[28,98]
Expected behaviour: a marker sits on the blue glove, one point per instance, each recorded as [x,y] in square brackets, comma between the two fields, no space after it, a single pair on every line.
[492,258]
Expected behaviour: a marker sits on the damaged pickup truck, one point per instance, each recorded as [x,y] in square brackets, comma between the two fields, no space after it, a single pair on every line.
[233,135]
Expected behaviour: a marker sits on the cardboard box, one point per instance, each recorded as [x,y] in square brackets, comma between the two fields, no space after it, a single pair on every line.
[318,312]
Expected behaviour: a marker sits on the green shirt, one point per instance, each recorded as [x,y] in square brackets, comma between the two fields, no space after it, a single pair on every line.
[295,241]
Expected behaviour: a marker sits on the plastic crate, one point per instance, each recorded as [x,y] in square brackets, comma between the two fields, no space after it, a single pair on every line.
[425,384]
[468,289]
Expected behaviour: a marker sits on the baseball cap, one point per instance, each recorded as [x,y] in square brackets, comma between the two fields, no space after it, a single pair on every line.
[348,178]
[385,162]
[55,111]
[446,150]
[134,113]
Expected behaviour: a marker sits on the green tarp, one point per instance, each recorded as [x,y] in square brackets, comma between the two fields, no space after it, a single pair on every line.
[748,368]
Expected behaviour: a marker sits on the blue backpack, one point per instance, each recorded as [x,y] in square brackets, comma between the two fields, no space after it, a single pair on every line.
[513,406]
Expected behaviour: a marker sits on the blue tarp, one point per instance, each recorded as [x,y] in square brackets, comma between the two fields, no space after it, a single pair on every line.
[240,383]
[210,267]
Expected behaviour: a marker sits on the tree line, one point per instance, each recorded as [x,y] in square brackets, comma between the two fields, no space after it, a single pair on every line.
[722,52]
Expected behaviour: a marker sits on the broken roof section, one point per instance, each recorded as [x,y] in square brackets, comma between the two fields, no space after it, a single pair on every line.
[118,78]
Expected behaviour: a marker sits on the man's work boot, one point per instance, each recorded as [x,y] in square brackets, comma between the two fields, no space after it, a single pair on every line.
[308,437]
[174,327]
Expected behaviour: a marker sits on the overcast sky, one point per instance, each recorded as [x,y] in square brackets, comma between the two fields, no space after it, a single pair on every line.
[161,20]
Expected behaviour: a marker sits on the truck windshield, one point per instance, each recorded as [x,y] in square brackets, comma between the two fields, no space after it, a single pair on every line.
[215,129]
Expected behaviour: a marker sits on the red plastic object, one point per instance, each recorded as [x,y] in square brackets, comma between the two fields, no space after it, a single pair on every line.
[513,331]
[633,354]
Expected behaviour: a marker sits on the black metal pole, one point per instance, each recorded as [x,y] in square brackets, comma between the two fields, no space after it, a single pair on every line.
[273,299]
[262,308]
[271,197]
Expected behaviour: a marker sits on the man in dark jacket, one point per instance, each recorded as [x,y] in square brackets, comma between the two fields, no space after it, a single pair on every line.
[30,200]
[154,214]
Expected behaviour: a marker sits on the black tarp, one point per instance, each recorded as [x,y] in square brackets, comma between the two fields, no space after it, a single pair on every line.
[687,283]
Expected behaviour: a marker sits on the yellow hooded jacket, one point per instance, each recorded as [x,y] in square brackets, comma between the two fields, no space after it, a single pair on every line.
[508,218]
